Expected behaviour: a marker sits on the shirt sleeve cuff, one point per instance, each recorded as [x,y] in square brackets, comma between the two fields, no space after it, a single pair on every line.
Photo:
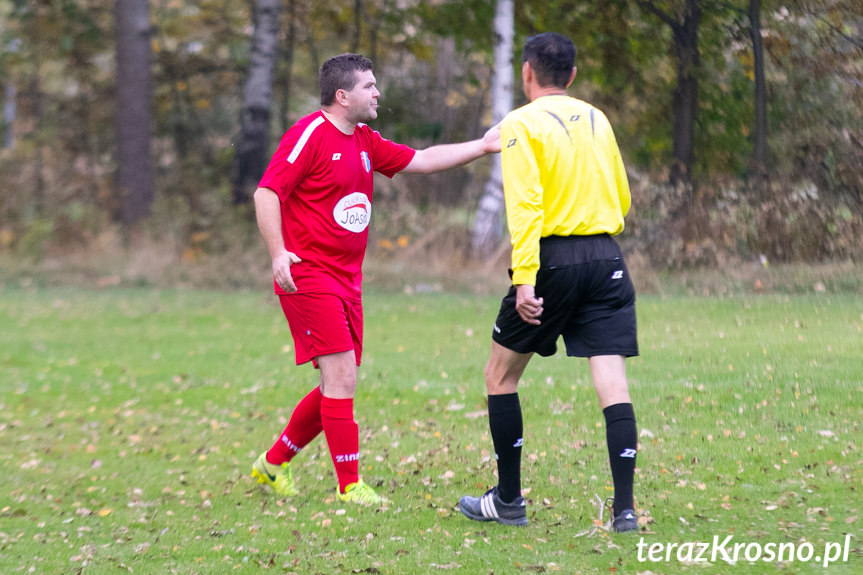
[523,276]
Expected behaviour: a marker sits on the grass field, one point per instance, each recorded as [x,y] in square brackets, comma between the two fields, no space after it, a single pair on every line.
[129,420]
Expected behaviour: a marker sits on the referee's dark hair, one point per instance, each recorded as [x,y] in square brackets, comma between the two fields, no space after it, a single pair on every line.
[551,56]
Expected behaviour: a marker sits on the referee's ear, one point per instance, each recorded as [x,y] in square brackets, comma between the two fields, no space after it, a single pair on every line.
[572,76]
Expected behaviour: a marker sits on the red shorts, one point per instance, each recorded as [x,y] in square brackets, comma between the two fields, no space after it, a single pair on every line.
[322,324]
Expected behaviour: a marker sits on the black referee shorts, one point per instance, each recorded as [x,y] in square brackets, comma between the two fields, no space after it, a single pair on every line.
[588,298]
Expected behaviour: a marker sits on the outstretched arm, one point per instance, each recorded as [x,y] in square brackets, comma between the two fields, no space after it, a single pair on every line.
[447,156]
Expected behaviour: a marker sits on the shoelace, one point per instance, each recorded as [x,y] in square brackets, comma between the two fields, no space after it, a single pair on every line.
[365,494]
[284,477]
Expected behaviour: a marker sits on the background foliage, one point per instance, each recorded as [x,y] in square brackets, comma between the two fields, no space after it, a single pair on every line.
[433,62]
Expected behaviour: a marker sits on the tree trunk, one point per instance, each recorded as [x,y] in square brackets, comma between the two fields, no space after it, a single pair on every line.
[358,25]
[132,114]
[9,107]
[251,157]
[685,97]
[288,65]
[39,106]
[488,226]
[759,135]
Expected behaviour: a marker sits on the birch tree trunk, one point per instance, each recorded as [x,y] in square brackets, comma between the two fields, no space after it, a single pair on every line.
[488,226]
[251,157]
[132,113]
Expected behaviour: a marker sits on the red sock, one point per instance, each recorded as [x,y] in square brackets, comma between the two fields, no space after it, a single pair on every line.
[303,427]
[343,438]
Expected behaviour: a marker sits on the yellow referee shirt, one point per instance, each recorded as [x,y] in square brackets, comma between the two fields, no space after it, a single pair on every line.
[562,176]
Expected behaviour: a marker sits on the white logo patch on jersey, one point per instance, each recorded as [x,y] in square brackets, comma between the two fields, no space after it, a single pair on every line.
[353,212]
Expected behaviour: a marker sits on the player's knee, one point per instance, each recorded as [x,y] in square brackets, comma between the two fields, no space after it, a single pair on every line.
[499,384]
[488,373]
[613,394]
[494,378]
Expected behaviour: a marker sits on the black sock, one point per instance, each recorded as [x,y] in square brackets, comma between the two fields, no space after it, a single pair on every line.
[622,439]
[504,420]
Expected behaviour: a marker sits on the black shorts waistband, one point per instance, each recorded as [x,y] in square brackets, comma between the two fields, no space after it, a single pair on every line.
[558,251]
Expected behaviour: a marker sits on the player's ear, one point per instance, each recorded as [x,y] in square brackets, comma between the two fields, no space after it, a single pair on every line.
[342,97]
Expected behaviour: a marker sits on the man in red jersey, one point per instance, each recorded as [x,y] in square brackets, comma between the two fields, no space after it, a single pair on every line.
[313,207]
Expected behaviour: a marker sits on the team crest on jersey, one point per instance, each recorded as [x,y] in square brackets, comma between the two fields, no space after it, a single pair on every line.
[367,164]
[353,212]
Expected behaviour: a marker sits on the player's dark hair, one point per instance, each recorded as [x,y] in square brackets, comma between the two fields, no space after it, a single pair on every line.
[551,56]
[340,73]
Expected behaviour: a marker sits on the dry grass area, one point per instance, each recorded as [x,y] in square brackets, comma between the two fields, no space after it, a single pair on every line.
[434,262]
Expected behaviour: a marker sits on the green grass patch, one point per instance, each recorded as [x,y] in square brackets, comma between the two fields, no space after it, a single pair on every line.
[129,420]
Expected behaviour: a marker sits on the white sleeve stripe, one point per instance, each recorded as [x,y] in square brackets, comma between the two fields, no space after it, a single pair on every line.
[301,143]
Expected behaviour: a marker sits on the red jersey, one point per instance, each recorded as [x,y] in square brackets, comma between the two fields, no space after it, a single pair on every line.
[324,180]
